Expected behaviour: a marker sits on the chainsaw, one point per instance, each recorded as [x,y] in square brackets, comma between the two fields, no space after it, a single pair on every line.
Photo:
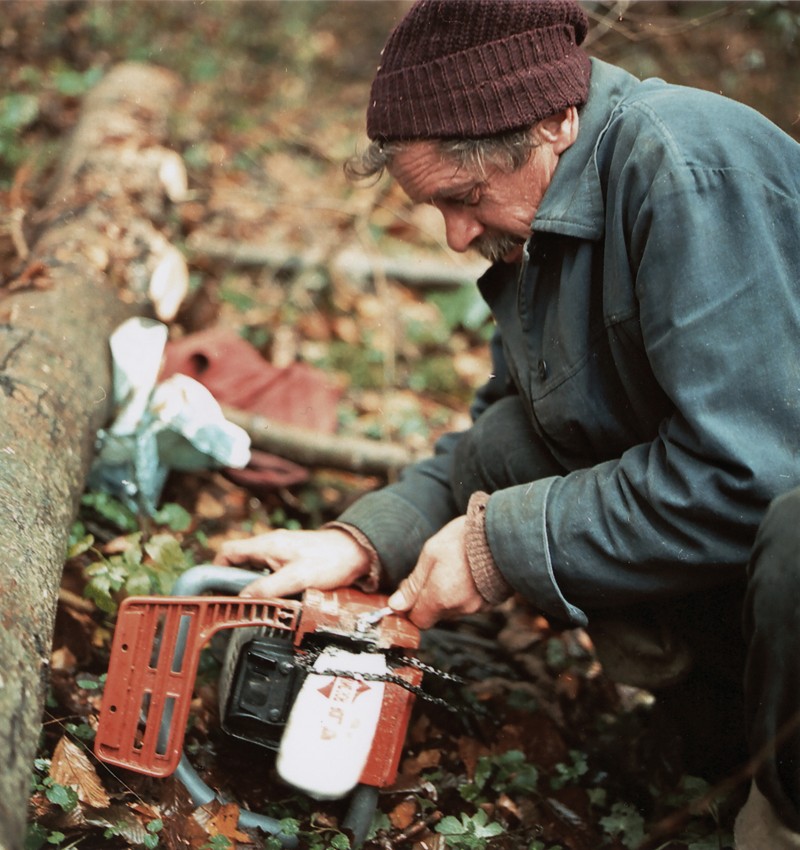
[326,682]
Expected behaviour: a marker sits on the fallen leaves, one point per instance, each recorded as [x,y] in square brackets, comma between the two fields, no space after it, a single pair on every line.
[71,767]
[34,276]
[223,819]
[404,813]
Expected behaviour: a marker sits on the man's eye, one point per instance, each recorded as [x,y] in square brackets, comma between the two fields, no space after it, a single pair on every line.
[471,199]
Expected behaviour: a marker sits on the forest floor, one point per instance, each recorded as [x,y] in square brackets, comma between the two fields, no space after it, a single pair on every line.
[537,749]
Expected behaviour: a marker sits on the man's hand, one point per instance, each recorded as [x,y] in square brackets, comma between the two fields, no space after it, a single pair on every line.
[324,559]
[441,584]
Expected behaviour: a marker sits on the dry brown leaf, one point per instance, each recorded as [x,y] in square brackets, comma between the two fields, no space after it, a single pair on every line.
[128,822]
[208,506]
[347,329]
[62,659]
[71,766]
[416,764]
[422,730]
[226,822]
[117,545]
[508,807]
[433,842]
[322,820]
[473,368]
[470,750]
[403,814]
[35,275]
[568,684]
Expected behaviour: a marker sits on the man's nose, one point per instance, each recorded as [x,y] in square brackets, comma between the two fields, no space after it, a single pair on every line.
[461,228]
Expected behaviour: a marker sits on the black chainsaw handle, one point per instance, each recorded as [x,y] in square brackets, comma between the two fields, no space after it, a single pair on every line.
[363,799]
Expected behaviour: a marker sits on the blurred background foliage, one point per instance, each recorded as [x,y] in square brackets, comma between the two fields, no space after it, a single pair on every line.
[273,105]
[255,60]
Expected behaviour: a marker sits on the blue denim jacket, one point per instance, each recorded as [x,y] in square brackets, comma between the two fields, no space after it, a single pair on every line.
[653,334]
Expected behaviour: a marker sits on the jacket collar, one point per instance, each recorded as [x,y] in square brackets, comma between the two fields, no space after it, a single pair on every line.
[573,204]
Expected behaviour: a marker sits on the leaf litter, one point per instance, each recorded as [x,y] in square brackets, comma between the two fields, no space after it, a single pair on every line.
[545,751]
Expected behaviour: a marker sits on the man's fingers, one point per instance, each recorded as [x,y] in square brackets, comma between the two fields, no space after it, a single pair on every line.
[231,558]
[235,552]
[277,585]
[299,559]
[265,549]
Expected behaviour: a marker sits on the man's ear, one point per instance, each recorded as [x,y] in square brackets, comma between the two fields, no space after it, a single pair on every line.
[559,130]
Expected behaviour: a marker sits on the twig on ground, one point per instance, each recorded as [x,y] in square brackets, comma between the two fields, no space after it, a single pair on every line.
[356,265]
[312,448]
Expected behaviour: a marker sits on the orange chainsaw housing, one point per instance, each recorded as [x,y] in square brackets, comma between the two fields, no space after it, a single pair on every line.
[155,653]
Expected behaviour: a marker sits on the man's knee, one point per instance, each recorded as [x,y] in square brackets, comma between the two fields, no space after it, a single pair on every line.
[782,520]
[776,554]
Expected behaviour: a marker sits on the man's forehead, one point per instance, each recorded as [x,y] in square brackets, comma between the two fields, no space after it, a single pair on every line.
[425,173]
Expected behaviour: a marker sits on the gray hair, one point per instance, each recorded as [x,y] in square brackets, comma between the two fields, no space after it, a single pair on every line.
[506,151]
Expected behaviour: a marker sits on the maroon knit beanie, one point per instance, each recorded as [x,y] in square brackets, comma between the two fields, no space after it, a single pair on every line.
[471,68]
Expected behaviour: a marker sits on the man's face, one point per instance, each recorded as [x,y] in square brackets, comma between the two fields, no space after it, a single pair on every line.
[489,212]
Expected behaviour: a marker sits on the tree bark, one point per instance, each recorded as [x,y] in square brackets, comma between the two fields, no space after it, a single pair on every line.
[86,272]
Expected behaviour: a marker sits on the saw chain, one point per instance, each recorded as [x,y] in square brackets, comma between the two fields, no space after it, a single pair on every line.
[307,663]
[326,682]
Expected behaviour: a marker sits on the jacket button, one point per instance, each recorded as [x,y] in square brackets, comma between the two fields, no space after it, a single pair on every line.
[542,369]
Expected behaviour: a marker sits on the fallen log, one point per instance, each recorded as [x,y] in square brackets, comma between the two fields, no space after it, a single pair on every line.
[356,266]
[90,266]
[312,448]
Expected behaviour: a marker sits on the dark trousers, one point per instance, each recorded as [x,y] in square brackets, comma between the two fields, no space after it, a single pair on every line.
[744,684]
[772,673]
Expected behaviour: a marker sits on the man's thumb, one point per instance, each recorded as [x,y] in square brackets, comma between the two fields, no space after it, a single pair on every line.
[398,602]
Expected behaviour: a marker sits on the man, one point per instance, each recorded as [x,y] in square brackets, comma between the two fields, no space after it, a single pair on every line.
[644,407]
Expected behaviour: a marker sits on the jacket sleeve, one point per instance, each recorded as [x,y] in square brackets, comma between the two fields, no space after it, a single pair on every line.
[714,252]
[399,518]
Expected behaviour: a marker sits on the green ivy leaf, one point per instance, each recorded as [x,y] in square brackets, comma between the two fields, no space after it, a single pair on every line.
[572,772]
[155,825]
[175,517]
[462,307]
[483,828]
[61,795]
[111,510]
[469,833]
[290,826]
[450,826]
[75,83]
[17,111]
[168,558]
[218,842]
[79,540]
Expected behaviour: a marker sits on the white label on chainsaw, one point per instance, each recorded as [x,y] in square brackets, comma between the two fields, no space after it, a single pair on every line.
[329,733]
